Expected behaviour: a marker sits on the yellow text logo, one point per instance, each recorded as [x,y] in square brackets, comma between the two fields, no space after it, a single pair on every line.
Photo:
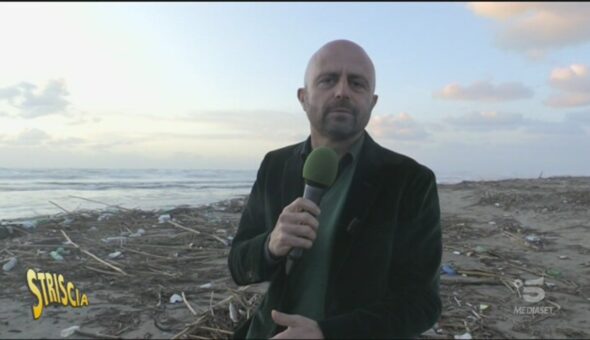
[51,288]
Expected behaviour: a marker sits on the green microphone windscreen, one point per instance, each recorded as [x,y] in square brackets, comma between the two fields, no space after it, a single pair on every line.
[321,166]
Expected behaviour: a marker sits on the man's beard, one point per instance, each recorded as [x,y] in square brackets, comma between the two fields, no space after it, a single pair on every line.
[339,130]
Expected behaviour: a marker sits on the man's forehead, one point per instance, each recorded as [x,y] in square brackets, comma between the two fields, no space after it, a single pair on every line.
[338,57]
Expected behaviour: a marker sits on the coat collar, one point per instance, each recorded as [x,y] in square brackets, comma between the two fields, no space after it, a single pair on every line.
[362,191]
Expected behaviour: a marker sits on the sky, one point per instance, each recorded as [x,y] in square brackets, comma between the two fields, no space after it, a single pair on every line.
[483,90]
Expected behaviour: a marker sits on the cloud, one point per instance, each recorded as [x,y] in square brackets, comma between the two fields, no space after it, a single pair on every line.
[580,117]
[254,124]
[494,121]
[32,102]
[485,91]
[573,84]
[400,127]
[536,27]
[487,120]
[28,137]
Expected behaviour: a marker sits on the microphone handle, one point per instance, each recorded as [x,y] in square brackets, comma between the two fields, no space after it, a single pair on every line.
[313,194]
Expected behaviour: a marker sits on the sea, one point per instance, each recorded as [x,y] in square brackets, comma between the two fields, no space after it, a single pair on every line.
[30,192]
[38,192]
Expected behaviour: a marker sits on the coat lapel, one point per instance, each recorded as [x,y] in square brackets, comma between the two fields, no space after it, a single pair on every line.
[363,191]
[292,180]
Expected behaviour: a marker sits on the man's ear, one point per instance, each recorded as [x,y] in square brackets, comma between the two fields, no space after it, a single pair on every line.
[375,98]
[302,96]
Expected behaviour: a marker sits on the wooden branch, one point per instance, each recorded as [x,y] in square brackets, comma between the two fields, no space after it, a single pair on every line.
[60,207]
[99,202]
[188,304]
[92,255]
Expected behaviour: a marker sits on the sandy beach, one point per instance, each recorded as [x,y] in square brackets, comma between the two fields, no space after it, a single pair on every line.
[515,265]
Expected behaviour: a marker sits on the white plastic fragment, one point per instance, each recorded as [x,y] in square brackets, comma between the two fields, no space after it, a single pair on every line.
[175,298]
[457,252]
[114,255]
[69,331]
[464,336]
[29,224]
[206,285]
[164,218]
[9,265]
[138,233]
[233,314]
[535,282]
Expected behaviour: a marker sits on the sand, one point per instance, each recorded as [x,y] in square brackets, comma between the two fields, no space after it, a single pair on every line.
[494,233]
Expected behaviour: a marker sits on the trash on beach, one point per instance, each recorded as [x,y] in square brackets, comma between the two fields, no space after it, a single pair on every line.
[175,298]
[206,285]
[483,307]
[115,255]
[563,257]
[9,265]
[138,233]
[69,331]
[105,216]
[464,336]
[233,314]
[449,270]
[533,238]
[549,284]
[480,249]
[29,224]
[553,272]
[114,239]
[497,204]
[56,256]
[67,220]
[230,239]
[164,218]
[491,223]
[457,252]
[62,251]
[535,282]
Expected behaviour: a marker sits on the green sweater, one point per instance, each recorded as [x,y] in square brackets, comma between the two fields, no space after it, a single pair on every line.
[309,277]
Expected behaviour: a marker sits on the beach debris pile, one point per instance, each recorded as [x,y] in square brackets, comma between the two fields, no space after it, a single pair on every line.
[149,260]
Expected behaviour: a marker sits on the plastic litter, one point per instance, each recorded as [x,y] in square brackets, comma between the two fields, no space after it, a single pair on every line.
[233,314]
[138,233]
[491,223]
[464,336]
[553,272]
[69,331]
[9,265]
[535,282]
[105,216]
[449,270]
[457,252]
[532,238]
[114,255]
[206,285]
[56,256]
[175,298]
[483,307]
[164,218]
[480,249]
[29,224]
[114,239]
[563,257]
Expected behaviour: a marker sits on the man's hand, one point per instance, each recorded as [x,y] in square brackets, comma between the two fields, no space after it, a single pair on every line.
[296,227]
[298,327]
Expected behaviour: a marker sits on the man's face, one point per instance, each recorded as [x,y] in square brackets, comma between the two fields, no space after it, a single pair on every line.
[339,93]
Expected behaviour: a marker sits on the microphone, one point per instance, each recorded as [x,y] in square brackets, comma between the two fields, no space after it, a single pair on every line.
[319,172]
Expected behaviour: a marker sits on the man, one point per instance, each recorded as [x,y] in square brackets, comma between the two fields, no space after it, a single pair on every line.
[372,249]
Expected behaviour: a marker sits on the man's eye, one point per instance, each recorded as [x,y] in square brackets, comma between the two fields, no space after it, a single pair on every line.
[358,84]
[326,81]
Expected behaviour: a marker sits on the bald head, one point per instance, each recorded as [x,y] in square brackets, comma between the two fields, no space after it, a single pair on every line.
[340,53]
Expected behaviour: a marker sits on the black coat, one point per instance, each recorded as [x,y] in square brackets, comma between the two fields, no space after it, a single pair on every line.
[383,279]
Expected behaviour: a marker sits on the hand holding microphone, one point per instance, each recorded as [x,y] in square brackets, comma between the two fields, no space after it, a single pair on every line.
[297,225]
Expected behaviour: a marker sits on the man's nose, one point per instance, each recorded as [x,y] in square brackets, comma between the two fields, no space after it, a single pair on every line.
[342,89]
